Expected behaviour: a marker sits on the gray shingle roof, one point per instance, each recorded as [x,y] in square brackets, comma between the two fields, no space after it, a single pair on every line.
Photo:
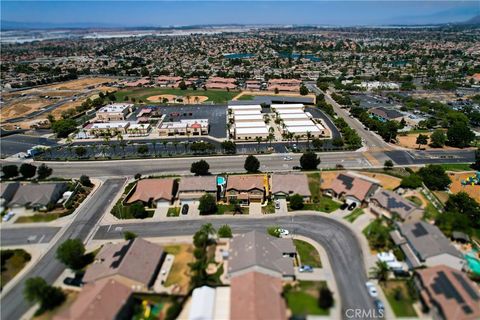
[394,203]
[290,184]
[38,194]
[427,240]
[256,249]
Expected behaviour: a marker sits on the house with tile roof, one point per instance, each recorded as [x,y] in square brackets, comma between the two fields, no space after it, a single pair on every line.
[351,188]
[153,192]
[246,188]
[386,203]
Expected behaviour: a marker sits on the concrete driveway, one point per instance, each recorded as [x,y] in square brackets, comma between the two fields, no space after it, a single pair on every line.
[283,206]
[255,209]
[316,275]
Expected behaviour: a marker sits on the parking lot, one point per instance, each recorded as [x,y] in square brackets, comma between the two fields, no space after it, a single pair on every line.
[216,115]
[21,143]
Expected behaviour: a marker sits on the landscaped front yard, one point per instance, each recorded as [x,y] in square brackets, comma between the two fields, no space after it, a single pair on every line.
[308,254]
[302,299]
[399,298]
[319,202]
[354,215]
[13,261]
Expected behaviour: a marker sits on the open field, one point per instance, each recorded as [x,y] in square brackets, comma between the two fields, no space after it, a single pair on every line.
[217,96]
[22,106]
[249,95]
[456,186]
[80,84]
[170,98]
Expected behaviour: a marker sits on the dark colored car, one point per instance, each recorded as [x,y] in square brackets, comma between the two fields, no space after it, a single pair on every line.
[185,209]
[76,281]
[344,206]
[297,168]
[352,206]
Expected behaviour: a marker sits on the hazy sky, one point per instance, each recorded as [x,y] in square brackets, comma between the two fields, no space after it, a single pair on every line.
[163,13]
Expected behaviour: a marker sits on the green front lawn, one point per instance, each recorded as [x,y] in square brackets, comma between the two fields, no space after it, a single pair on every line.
[314,186]
[229,209]
[38,217]
[303,299]
[354,215]
[217,96]
[399,298]
[269,208]
[246,97]
[173,212]
[13,261]
[457,166]
[415,200]
[308,254]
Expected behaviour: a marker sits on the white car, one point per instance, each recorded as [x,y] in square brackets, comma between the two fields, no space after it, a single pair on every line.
[372,290]
[287,158]
[283,232]
[8,216]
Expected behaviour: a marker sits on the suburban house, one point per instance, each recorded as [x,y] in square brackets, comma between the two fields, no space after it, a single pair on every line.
[193,188]
[221,83]
[425,245]
[387,203]
[384,114]
[114,112]
[351,188]
[257,296]
[257,251]
[153,192]
[448,293]
[103,299]
[134,263]
[7,191]
[246,188]
[287,85]
[38,196]
[168,81]
[209,303]
[285,185]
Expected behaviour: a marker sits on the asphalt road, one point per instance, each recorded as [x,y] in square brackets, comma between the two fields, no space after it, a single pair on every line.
[27,235]
[218,164]
[339,242]
[13,303]
[370,139]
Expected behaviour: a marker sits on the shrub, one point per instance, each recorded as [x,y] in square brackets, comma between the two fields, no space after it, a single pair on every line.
[296,202]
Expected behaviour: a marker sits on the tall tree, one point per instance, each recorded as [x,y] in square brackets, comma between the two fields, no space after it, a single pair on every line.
[43,171]
[309,161]
[28,170]
[251,164]
[200,168]
[422,139]
[72,254]
[10,171]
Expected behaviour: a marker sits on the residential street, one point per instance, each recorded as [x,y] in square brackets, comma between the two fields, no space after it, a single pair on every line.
[13,303]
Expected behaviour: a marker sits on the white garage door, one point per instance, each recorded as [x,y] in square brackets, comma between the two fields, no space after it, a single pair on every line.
[163,203]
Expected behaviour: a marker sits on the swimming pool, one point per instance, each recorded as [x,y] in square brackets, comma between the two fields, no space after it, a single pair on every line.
[220,181]
[473,262]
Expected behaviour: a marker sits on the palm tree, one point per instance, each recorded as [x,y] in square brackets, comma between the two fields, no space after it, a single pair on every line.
[123,145]
[380,271]
[164,142]
[270,138]
[208,229]
[154,145]
[175,144]
[258,139]
[113,147]
[309,135]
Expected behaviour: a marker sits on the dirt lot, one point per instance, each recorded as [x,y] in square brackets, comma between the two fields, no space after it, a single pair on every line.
[22,107]
[80,84]
[171,98]
[456,186]
[410,141]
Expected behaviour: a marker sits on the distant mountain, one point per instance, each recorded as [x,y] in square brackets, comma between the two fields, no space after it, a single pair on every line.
[473,21]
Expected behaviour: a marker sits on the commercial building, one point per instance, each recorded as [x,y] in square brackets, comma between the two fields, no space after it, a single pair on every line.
[134,263]
[384,114]
[248,122]
[184,127]
[153,192]
[114,112]
[109,128]
[447,293]
[138,129]
[425,245]
[387,203]
[295,121]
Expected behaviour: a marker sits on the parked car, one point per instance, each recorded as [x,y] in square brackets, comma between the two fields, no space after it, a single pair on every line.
[277,204]
[372,291]
[352,206]
[344,206]
[305,268]
[297,168]
[379,305]
[9,215]
[283,232]
[185,208]
[75,281]
[287,158]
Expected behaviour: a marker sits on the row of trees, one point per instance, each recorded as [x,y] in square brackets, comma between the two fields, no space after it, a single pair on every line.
[27,171]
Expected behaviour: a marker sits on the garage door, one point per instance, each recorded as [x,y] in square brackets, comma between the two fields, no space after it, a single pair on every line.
[163,203]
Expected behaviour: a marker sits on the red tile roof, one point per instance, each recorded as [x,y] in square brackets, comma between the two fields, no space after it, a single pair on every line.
[152,189]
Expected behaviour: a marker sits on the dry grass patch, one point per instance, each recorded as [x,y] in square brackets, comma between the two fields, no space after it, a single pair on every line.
[387,181]
[80,84]
[179,274]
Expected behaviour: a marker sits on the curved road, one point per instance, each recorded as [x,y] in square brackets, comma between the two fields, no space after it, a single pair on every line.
[340,243]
